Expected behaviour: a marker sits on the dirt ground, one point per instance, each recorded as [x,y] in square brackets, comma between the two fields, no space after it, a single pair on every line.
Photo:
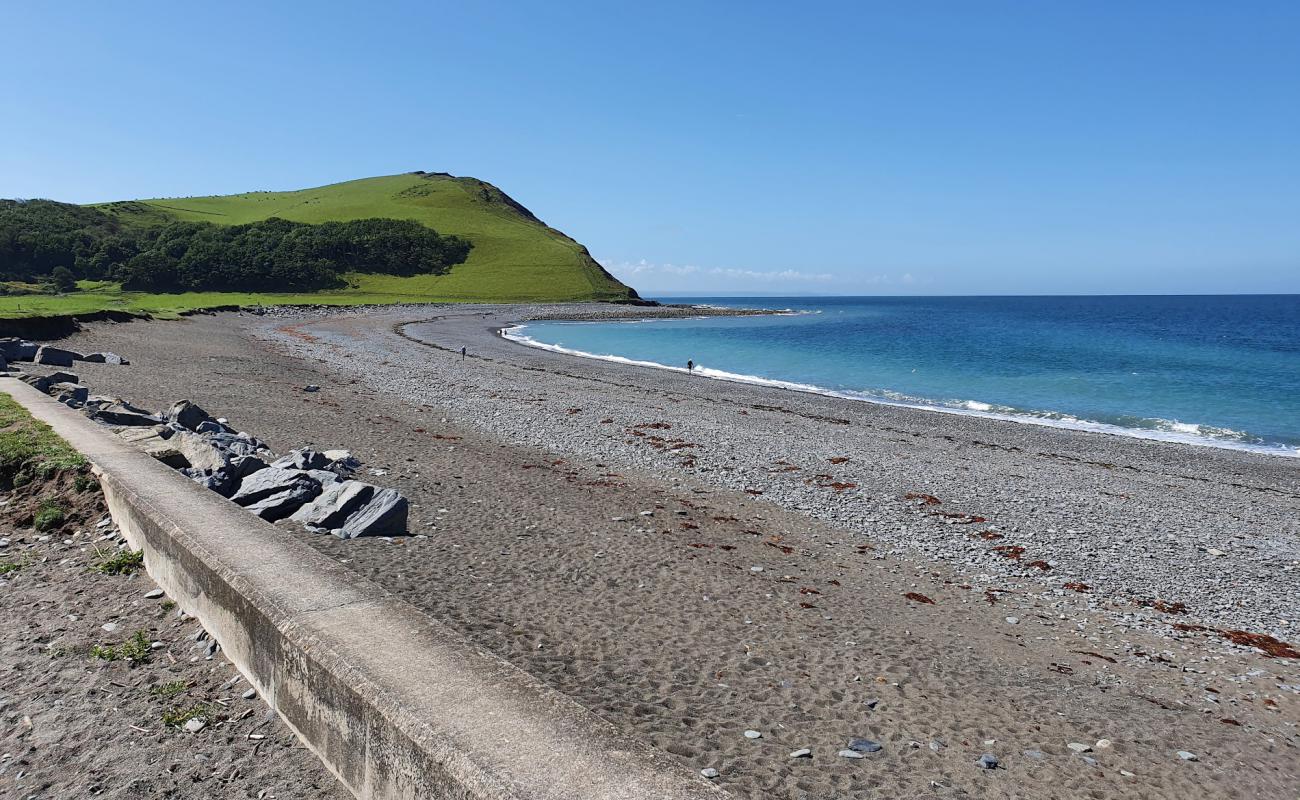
[76,721]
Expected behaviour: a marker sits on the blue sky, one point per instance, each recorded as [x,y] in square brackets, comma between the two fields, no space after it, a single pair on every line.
[826,148]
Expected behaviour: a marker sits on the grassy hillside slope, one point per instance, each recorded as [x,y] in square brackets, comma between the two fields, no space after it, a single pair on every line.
[516,257]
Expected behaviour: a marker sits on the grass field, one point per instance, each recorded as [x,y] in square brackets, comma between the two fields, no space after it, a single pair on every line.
[516,258]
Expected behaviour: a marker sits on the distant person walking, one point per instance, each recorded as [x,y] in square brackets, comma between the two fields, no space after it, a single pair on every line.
[690,366]
[462,354]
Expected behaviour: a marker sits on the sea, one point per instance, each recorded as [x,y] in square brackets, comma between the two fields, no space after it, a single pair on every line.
[1215,370]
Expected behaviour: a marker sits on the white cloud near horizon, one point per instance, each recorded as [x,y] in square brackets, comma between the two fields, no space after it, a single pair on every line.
[675,277]
[630,269]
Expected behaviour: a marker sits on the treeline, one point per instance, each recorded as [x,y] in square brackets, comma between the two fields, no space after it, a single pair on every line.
[38,237]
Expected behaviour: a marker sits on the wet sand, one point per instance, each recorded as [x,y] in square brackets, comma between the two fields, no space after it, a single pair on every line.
[784,581]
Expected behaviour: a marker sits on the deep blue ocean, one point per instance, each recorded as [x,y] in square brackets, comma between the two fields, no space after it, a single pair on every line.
[1221,370]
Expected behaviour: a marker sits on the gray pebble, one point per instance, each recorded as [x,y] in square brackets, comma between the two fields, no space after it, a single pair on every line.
[154,594]
[1034,754]
[1186,756]
[249,694]
[988,761]
[753,735]
[110,627]
[195,725]
[709,772]
[1013,620]
[850,754]
[802,752]
[864,745]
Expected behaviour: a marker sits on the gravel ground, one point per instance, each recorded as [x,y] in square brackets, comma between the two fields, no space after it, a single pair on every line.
[1215,530]
[687,558]
[73,725]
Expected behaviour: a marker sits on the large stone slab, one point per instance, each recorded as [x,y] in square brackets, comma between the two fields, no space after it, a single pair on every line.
[200,451]
[187,415]
[384,514]
[106,358]
[18,349]
[334,504]
[55,356]
[122,413]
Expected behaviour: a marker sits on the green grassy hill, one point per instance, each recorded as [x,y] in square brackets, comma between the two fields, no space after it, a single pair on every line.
[515,258]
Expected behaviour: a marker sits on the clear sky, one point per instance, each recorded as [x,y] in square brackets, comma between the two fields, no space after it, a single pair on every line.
[959,147]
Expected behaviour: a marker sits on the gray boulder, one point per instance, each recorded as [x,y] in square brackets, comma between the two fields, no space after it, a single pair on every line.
[212,426]
[239,444]
[121,413]
[335,503]
[243,466]
[200,451]
[322,476]
[275,493]
[42,383]
[105,358]
[383,515]
[70,394]
[18,349]
[342,462]
[220,481]
[55,356]
[187,415]
[302,459]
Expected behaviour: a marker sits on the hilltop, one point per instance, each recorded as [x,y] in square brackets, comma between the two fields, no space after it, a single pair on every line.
[514,256]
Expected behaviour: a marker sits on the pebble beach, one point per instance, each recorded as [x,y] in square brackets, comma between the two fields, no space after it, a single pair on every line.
[929,605]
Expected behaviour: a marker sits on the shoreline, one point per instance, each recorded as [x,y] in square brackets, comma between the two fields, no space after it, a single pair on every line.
[1065,422]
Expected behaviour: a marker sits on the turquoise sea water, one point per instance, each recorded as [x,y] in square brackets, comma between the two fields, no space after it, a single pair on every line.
[1221,370]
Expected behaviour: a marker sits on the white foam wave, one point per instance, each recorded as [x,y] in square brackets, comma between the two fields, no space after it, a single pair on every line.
[1153,429]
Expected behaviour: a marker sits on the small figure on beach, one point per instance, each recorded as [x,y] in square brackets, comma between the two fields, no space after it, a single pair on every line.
[462,353]
[690,366]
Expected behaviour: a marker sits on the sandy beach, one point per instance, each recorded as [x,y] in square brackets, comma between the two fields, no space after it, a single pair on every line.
[693,559]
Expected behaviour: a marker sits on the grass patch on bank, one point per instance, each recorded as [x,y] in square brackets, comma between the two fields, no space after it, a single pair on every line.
[136,650]
[29,449]
[121,562]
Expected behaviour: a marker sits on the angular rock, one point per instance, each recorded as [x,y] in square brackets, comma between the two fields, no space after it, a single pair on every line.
[122,413]
[267,482]
[322,476]
[988,761]
[187,415]
[164,452]
[342,462]
[302,459]
[220,481]
[202,452]
[139,435]
[282,504]
[275,493]
[383,515]
[18,349]
[105,358]
[42,383]
[864,745]
[55,356]
[239,444]
[243,466]
[213,426]
[70,394]
[335,504]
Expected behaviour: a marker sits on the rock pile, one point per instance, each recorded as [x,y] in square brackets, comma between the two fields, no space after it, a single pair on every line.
[12,349]
[311,487]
